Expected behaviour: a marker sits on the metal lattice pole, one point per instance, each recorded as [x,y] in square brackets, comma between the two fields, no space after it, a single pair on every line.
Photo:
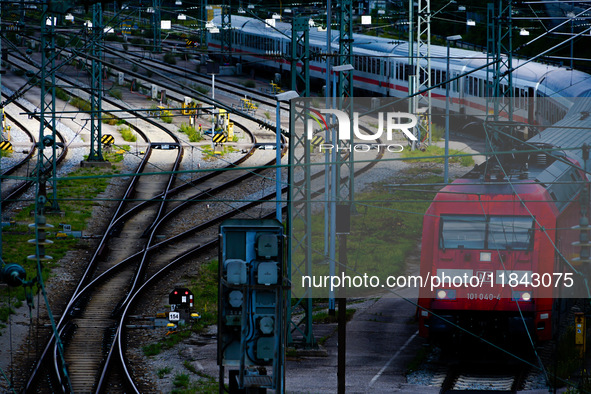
[46,165]
[499,50]
[300,213]
[96,85]
[345,97]
[156,25]
[300,54]
[423,66]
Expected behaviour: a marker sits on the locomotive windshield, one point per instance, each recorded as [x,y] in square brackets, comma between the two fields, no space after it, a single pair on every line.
[480,232]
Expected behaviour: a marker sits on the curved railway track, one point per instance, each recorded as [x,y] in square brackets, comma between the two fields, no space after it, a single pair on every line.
[114,229]
[12,189]
[99,298]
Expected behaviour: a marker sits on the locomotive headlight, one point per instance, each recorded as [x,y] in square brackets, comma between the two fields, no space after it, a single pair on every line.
[521,296]
[526,296]
[445,294]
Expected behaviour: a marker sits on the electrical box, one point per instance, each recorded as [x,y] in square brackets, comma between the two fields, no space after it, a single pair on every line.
[235,271]
[267,246]
[267,273]
[252,302]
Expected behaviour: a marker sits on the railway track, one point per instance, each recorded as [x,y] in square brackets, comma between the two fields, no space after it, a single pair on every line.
[26,167]
[173,84]
[483,378]
[79,361]
[105,288]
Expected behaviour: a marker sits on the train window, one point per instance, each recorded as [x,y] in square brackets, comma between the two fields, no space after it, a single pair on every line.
[462,232]
[493,232]
[510,232]
[481,87]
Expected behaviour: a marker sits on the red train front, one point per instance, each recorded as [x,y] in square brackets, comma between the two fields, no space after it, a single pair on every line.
[494,247]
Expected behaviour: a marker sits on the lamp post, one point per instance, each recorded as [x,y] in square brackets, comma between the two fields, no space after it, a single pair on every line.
[342,322]
[333,186]
[286,96]
[447,75]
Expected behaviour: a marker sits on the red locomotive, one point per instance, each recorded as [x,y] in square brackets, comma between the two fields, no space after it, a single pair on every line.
[499,243]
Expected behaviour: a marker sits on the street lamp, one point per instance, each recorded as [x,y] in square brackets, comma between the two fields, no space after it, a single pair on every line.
[449,39]
[333,186]
[285,96]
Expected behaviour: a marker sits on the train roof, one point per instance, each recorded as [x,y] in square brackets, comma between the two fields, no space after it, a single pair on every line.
[550,80]
[572,131]
[553,83]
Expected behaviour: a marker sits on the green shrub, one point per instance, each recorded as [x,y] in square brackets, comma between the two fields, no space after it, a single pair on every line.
[115,93]
[109,119]
[192,132]
[81,104]
[166,116]
[249,84]
[162,372]
[181,380]
[127,134]
[152,349]
[202,89]
[62,94]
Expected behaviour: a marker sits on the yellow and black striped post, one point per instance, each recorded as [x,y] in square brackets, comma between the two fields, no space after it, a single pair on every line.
[107,139]
[6,145]
[220,138]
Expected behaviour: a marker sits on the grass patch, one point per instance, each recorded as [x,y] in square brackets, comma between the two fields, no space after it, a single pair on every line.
[127,134]
[81,104]
[205,290]
[152,349]
[386,228]
[181,380]
[76,198]
[435,154]
[109,119]
[249,84]
[191,131]
[201,89]
[116,93]
[5,312]
[162,372]
[437,132]
[267,115]
[62,94]
[115,156]
[166,116]
[205,385]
